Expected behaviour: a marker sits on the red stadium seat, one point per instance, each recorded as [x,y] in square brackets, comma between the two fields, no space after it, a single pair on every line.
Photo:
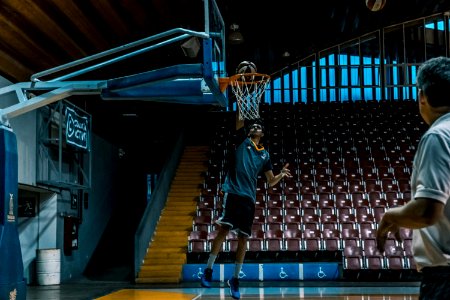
[198,235]
[288,203]
[353,251]
[358,197]
[375,197]
[202,221]
[391,249]
[274,203]
[378,212]
[275,219]
[347,218]
[374,262]
[291,189]
[368,233]
[329,221]
[410,263]
[365,218]
[342,200]
[339,188]
[311,221]
[295,218]
[293,244]
[309,233]
[274,211]
[293,239]
[325,197]
[308,195]
[256,241]
[353,263]
[332,244]
[404,184]
[205,212]
[393,200]
[350,233]
[260,218]
[197,246]
[274,240]
[260,204]
[407,246]
[309,203]
[370,247]
[406,195]
[312,244]
[372,185]
[208,202]
[231,241]
[291,211]
[322,188]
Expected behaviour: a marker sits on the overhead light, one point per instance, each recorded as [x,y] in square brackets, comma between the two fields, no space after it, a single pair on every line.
[286,54]
[129,115]
[235,37]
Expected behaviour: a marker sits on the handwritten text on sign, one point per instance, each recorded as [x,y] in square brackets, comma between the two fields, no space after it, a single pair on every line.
[77,129]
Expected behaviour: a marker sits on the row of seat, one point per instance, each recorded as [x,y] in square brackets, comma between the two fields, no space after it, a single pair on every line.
[350,163]
[295,241]
[377,263]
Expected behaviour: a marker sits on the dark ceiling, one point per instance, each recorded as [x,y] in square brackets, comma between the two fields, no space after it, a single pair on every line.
[36,35]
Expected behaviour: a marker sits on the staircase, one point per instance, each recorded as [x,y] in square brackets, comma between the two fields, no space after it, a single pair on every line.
[167,250]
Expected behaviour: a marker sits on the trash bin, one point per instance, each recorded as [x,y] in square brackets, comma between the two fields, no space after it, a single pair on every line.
[48,266]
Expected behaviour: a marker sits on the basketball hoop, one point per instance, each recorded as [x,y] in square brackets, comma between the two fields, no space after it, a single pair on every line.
[248,89]
[223,83]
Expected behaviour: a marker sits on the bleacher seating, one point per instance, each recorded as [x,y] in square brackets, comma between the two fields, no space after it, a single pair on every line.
[349,167]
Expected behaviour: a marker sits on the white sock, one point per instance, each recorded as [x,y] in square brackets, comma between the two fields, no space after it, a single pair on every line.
[211,260]
[237,269]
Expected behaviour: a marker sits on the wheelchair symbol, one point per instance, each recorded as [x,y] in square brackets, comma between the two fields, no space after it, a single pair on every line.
[283,274]
[321,274]
[198,274]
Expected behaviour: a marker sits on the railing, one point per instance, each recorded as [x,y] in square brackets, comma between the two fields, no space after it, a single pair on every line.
[184,34]
[147,225]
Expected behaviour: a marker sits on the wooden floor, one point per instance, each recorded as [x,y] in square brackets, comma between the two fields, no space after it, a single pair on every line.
[99,290]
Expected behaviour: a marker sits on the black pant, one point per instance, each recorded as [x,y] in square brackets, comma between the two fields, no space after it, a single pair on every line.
[435,283]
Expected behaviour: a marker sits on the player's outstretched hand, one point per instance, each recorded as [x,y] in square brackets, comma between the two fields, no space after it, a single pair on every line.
[285,171]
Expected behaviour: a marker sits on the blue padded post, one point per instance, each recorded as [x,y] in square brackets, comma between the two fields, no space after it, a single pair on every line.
[12,282]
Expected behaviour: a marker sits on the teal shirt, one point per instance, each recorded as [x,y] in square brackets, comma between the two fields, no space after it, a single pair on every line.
[243,173]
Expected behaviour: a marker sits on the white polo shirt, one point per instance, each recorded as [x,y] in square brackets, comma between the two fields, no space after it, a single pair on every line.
[430,178]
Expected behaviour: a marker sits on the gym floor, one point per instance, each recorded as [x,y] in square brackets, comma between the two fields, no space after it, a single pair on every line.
[107,290]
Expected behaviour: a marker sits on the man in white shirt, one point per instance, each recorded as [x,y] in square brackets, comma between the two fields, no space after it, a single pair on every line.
[428,211]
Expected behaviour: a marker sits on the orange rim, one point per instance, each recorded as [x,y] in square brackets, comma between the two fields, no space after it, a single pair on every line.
[241,78]
[223,83]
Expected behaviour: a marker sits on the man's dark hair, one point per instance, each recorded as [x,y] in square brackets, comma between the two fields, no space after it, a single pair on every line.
[433,78]
[249,123]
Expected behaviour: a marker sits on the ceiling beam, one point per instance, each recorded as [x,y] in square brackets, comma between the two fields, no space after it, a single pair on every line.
[111,16]
[12,69]
[41,19]
[87,28]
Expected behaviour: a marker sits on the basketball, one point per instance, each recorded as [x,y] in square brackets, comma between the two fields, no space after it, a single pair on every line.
[375,5]
[246,67]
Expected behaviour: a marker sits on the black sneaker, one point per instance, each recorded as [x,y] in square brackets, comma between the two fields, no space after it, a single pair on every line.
[207,278]
[233,283]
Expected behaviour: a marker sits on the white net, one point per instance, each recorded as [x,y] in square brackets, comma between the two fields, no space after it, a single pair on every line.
[248,89]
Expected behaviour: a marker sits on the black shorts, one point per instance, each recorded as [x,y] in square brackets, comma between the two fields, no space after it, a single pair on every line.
[435,283]
[238,214]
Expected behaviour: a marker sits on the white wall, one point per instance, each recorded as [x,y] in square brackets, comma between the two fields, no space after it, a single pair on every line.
[38,233]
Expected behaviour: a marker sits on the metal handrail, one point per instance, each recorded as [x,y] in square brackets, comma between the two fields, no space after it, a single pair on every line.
[187,33]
